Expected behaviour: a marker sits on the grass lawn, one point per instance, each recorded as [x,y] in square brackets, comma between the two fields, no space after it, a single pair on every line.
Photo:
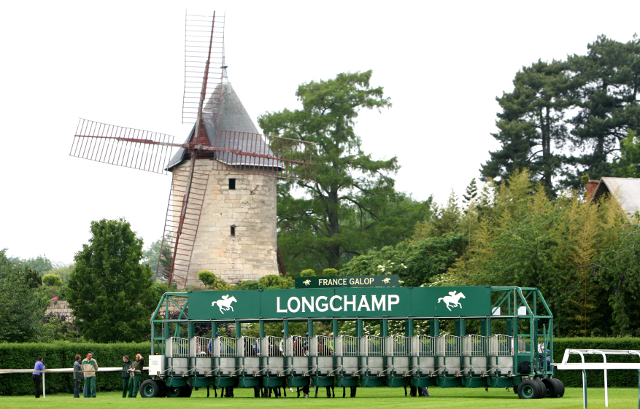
[367,398]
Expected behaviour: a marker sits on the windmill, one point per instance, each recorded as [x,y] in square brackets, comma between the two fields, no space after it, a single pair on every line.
[221,214]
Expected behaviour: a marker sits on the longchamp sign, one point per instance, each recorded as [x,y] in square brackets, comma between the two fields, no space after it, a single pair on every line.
[348,281]
[418,302]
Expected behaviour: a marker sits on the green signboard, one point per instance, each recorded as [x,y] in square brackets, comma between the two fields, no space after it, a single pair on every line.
[418,302]
[351,281]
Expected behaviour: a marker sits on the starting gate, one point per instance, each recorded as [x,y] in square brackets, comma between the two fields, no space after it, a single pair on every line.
[459,348]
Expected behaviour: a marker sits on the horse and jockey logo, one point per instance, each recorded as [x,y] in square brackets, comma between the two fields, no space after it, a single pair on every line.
[306,282]
[225,303]
[452,300]
[386,280]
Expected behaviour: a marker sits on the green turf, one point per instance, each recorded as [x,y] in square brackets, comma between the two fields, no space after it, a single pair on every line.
[367,398]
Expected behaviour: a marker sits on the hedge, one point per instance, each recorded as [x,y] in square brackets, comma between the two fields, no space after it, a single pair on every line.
[616,378]
[62,355]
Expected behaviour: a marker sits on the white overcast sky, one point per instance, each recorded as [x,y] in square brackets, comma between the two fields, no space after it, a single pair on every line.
[442,64]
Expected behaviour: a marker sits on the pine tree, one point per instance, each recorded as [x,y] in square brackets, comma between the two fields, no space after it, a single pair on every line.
[531,125]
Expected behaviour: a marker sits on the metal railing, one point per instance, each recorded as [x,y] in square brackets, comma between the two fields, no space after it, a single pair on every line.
[501,345]
[227,347]
[524,345]
[374,346]
[424,345]
[398,345]
[325,346]
[250,346]
[347,346]
[203,347]
[449,345]
[272,346]
[475,345]
[178,347]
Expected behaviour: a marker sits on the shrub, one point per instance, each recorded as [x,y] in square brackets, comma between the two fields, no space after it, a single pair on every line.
[307,273]
[329,272]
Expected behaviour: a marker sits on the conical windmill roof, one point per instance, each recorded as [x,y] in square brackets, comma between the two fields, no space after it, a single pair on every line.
[233,117]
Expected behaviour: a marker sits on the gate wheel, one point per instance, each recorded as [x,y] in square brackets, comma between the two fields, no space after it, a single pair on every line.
[542,390]
[528,389]
[149,389]
[559,386]
[551,388]
[173,392]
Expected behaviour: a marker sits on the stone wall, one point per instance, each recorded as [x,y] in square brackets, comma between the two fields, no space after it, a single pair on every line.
[251,209]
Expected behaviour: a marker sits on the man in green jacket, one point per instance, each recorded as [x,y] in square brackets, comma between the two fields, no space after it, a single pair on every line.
[90,366]
[134,381]
[126,375]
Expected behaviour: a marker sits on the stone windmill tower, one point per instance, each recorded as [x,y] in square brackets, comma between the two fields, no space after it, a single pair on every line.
[221,214]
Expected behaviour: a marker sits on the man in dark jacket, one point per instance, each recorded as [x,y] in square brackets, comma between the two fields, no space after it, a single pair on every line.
[126,375]
[78,376]
[134,381]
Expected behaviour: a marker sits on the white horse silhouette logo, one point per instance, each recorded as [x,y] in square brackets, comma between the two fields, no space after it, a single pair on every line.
[225,303]
[306,282]
[386,280]
[452,300]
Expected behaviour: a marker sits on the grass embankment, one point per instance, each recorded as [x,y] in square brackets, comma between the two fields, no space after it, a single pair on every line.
[367,398]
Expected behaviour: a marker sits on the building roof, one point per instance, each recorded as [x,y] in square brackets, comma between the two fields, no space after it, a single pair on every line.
[233,117]
[626,191]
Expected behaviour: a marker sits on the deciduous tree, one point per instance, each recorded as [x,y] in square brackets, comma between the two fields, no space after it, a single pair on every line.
[110,292]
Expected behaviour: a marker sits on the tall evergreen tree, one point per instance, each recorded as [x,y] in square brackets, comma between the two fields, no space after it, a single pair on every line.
[606,86]
[531,124]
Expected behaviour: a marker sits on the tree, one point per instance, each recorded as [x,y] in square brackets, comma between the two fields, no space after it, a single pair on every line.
[152,254]
[619,270]
[41,264]
[417,262]
[111,293]
[20,311]
[530,123]
[628,164]
[350,185]
[607,83]
[52,280]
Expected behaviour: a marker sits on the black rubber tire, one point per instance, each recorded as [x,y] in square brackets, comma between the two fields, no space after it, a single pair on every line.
[185,391]
[542,390]
[559,387]
[551,388]
[163,388]
[515,389]
[173,392]
[528,389]
[149,389]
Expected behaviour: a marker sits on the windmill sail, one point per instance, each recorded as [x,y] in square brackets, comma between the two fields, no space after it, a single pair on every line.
[117,145]
[203,65]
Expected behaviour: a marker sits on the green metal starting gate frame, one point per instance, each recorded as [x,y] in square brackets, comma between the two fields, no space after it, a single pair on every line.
[449,355]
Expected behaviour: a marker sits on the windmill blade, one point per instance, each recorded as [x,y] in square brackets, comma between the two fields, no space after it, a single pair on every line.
[265,155]
[181,225]
[203,66]
[128,147]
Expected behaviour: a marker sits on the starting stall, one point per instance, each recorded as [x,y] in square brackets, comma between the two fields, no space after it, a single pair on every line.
[489,337]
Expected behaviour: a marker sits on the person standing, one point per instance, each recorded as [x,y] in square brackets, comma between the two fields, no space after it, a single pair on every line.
[90,366]
[78,376]
[36,376]
[134,381]
[126,375]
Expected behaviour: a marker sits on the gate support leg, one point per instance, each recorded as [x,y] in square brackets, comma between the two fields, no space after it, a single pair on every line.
[584,389]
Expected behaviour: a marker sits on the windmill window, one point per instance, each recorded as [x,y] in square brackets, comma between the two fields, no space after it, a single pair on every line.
[233,231]
[232,184]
